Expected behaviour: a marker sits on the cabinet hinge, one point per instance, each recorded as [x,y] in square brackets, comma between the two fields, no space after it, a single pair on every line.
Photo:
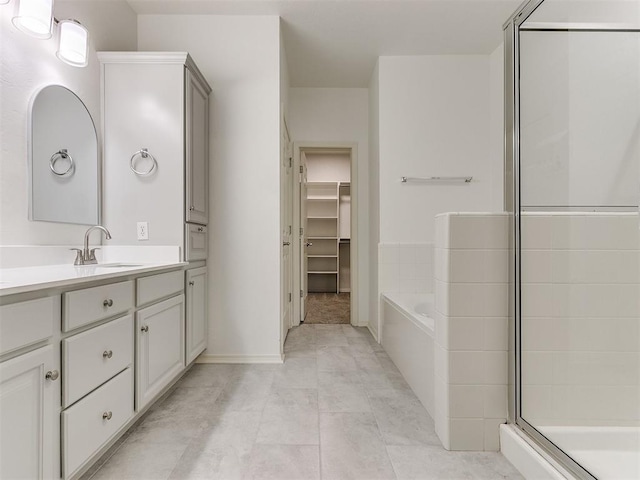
[289,229]
[290,162]
[301,294]
[301,169]
[301,231]
[289,297]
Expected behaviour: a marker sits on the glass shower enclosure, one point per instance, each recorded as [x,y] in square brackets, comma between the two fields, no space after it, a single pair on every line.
[573,165]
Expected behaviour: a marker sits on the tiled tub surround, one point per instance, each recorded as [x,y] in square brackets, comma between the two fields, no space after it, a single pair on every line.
[405,267]
[581,319]
[471,300]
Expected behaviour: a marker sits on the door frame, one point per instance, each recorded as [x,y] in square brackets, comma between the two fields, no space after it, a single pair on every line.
[286,187]
[339,147]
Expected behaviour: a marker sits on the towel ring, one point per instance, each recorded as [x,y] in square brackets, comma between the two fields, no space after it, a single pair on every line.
[144,153]
[60,154]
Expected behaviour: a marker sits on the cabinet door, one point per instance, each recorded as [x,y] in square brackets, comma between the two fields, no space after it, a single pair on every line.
[197,140]
[27,411]
[197,306]
[160,347]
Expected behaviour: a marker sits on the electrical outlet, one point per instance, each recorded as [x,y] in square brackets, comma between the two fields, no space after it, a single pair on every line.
[143,230]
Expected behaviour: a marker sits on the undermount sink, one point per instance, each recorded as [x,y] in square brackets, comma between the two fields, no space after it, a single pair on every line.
[118,265]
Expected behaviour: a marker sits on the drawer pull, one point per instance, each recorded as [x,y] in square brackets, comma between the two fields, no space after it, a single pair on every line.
[107,415]
[191,283]
[192,208]
[201,229]
[107,354]
[52,375]
[108,303]
[145,328]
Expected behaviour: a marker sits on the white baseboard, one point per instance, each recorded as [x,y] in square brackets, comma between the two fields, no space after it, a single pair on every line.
[530,463]
[210,358]
[373,332]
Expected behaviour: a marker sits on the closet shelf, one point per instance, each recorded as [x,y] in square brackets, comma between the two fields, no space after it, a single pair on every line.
[324,272]
[322,198]
[329,218]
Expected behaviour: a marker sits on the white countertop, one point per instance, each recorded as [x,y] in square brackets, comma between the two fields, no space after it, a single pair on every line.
[28,279]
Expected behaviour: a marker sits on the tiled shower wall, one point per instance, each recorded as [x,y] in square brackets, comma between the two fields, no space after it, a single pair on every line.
[581,318]
[405,267]
[471,300]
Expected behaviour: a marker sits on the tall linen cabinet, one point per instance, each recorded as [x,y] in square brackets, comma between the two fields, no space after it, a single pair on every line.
[155,108]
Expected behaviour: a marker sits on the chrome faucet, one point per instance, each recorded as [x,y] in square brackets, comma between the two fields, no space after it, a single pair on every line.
[86,256]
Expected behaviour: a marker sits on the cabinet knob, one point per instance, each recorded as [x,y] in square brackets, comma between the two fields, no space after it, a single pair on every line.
[192,208]
[145,328]
[108,303]
[201,229]
[286,244]
[52,375]
[107,415]
[107,354]
[191,283]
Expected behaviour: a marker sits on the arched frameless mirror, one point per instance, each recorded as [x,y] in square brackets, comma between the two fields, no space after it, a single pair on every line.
[63,159]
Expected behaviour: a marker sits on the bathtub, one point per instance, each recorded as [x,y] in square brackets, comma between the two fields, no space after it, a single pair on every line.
[407,335]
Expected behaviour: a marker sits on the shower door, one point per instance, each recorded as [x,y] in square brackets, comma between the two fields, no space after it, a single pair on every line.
[577,232]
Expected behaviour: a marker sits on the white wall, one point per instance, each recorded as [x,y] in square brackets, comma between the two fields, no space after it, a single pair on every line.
[580,138]
[374,198]
[328,168]
[340,115]
[496,126]
[26,65]
[240,57]
[434,121]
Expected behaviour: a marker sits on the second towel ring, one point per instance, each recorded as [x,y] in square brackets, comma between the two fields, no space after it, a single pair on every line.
[60,154]
[144,153]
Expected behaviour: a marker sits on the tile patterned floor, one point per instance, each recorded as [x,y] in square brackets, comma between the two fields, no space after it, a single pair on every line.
[336,409]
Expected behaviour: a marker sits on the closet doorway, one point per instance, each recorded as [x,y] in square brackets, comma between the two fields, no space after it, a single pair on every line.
[325,214]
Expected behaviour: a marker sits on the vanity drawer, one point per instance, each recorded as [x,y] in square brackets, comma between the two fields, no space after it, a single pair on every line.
[197,240]
[82,307]
[93,357]
[156,287]
[26,323]
[95,419]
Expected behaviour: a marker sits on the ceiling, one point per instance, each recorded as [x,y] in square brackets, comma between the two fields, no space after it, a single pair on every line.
[335,43]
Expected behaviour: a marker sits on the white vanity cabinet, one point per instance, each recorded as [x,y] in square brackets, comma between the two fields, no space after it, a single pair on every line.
[28,444]
[81,361]
[160,334]
[29,389]
[196,328]
[155,121]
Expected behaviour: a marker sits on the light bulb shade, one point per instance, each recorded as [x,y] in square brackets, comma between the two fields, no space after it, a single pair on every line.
[73,43]
[34,17]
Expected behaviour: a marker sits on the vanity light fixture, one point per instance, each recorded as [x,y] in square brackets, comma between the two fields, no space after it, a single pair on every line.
[73,43]
[34,17]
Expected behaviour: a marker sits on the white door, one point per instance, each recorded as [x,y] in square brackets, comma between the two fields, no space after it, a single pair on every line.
[304,239]
[197,143]
[286,224]
[160,347]
[196,324]
[27,402]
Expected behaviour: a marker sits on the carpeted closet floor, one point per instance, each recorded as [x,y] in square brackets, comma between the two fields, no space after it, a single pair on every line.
[329,308]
